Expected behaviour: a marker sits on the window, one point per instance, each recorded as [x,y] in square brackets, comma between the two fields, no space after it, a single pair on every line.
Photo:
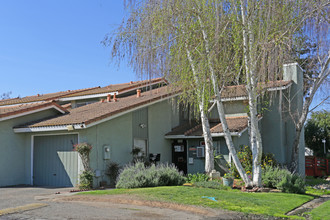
[178,148]
[142,144]
[201,151]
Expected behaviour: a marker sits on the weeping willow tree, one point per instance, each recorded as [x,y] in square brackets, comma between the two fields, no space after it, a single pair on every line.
[187,41]
[201,46]
[269,31]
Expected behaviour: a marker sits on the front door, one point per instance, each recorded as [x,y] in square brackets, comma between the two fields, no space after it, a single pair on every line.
[179,156]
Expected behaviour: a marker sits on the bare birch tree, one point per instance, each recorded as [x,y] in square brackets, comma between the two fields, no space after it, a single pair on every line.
[314,23]
[179,38]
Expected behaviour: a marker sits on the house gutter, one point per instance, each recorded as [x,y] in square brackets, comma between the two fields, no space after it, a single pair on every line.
[51,128]
[87,96]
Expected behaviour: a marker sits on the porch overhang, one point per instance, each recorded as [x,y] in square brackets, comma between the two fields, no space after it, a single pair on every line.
[214,135]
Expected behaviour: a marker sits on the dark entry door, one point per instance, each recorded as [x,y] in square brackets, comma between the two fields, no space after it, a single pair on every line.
[179,156]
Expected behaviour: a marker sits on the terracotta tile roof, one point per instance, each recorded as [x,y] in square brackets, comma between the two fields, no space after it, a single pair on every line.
[6,111]
[41,98]
[67,106]
[100,110]
[240,90]
[117,87]
[235,124]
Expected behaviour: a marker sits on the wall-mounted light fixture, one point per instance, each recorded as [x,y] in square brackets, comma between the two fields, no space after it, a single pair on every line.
[142,125]
[70,127]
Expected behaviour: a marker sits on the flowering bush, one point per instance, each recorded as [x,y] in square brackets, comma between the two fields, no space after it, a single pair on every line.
[86,178]
[83,148]
[245,156]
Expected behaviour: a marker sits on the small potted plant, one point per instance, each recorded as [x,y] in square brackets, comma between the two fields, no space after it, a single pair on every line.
[228,179]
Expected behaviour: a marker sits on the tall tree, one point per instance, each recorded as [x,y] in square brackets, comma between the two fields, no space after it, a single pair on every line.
[267,30]
[171,35]
[314,26]
[317,129]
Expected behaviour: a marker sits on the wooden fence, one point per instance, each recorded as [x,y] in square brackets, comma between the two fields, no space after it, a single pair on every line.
[315,166]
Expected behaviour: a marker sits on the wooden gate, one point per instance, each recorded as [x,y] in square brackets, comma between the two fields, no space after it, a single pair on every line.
[315,166]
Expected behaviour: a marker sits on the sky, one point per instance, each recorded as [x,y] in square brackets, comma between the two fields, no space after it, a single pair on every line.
[55,45]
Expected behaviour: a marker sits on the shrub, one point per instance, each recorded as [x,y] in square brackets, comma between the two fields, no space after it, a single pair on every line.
[86,179]
[198,177]
[271,176]
[112,171]
[211,185]
[282,179]
[292,183]
[138,175]
[245,156]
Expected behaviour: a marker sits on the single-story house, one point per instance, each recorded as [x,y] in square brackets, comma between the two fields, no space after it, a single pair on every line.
[37,133]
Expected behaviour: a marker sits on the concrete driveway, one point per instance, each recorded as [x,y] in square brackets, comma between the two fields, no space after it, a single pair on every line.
[43,203]
[19,196]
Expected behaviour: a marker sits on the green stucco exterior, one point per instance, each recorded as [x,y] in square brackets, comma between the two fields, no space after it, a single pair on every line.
[15,157]
[118,134]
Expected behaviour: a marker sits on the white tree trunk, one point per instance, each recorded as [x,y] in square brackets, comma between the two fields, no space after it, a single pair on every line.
[221,113]
[209,158]
[251,78]
[230,144]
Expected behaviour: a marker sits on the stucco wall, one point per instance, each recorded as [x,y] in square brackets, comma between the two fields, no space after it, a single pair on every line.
[234,108]
[115,133]
[118,134]
[15,156]
[272,129]
[160,122]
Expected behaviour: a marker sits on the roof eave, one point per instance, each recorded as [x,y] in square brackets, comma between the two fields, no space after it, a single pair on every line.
[61,110]
[50,128]
[87,96]
[238,134]
[280,87]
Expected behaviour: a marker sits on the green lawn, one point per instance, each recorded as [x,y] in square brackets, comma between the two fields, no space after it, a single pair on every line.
[321,212]
[275,204]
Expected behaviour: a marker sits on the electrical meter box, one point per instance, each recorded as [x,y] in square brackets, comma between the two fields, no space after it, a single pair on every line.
[106,152]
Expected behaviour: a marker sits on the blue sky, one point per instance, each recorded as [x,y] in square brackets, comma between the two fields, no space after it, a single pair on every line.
[55,45]
[49,46]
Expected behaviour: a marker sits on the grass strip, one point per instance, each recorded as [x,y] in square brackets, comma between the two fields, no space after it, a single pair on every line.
[274,204]
[321,212]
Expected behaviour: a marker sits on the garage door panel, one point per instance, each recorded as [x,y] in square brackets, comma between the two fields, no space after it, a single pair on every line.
[54,162]
[70,164]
